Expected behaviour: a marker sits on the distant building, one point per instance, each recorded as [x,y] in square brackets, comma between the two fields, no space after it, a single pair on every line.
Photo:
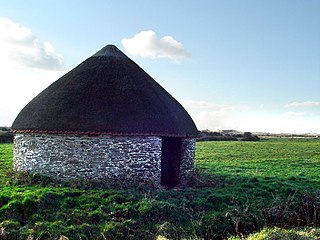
[108,120]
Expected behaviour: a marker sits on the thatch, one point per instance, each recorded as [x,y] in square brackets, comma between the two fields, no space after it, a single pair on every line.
[107,93]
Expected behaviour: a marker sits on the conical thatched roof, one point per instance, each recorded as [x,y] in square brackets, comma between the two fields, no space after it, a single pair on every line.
[107,93]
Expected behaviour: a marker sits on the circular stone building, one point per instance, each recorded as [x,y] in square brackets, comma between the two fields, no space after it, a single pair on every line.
[108,120]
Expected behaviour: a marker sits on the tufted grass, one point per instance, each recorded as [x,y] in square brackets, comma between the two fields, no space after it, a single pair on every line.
[239,188]
[275,233]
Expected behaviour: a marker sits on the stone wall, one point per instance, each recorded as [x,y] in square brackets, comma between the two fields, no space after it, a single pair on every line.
[104,157]
[89,157]
[187,161]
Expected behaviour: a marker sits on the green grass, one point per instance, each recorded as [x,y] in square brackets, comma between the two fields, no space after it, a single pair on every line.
[6,155]
[274,165]
[239,188]
[283,234]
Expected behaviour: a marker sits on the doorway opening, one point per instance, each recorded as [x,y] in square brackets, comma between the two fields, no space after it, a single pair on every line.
[170,161]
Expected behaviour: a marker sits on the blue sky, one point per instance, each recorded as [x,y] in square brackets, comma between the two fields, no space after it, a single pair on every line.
[246,65]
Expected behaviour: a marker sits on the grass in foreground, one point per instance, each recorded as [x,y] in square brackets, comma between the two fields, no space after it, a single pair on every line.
[242,187]
[283,234]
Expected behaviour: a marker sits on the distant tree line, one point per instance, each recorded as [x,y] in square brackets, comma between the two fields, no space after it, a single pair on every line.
[6,136]
[226,135]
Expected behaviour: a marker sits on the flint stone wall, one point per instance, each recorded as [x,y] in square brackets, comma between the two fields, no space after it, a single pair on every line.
[187,161]
[115,158]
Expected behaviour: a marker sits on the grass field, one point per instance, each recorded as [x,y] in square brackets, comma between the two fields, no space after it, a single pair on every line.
[239,188]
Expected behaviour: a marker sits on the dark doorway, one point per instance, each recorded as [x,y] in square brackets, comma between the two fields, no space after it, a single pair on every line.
[170,161]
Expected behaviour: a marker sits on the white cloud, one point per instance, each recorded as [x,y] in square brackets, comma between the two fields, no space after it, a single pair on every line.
[21,47]
[28,65]
[295,114]
[279,124]
[216,120]
[302,104]
[191,104]
[211,116]
[145,44]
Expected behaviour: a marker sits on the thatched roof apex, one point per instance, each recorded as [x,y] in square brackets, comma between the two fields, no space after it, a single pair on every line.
[106,94]
[110,51]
